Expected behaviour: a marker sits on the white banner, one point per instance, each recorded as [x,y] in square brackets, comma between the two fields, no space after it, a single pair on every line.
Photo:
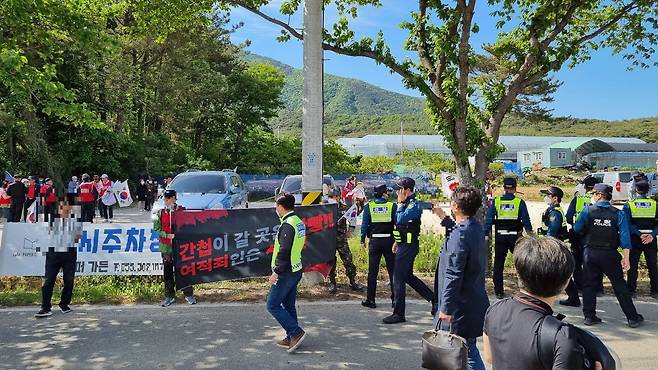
[116,249]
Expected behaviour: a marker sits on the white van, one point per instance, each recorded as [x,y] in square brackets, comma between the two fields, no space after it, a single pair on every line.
[620,182]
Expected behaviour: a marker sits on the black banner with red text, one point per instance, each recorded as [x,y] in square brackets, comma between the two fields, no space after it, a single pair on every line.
[216,245]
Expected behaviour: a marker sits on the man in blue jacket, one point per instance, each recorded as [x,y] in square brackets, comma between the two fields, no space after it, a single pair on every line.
[378,225]
[605,229]
[459,282]
[407,230]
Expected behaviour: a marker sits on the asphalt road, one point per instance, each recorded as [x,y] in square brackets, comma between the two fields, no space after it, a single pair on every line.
[342,335]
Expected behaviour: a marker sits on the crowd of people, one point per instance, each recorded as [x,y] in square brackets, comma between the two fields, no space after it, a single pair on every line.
[38,197]
[545,265]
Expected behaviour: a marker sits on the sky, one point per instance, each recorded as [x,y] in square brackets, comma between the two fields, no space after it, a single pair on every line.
[601,88]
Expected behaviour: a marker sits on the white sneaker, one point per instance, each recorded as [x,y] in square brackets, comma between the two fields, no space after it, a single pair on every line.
[110,221]
[190,300]
[168,302]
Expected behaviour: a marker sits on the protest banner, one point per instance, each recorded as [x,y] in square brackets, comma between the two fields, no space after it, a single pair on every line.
[128,249]
[215,245]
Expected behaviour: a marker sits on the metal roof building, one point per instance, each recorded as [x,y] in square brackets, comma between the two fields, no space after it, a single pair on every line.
[390,145]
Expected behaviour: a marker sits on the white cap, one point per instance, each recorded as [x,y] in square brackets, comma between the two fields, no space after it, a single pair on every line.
[74,178]
[104,176]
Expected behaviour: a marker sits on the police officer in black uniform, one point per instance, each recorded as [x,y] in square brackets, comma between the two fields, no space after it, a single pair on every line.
[378,225]
[510,216]
[407,230]
[605,229]
[642,212]
[555,225]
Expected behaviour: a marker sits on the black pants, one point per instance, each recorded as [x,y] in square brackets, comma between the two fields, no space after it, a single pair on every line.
[70,197]
[28,203]
[504,244]
[403,274]
[16,210]
[48,212]
[169,282]
[378,247]
[107,212]
[66,261]
[650,253]
[87,209]
[597,261]
[577,252]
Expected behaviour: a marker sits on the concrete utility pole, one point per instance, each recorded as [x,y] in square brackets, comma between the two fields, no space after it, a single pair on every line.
[312,123]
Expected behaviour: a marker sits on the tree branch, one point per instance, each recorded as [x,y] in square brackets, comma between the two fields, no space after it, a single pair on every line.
[367,53]
[423,47]
[622,12]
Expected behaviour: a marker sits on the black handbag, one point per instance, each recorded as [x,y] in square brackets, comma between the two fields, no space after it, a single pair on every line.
[443,350]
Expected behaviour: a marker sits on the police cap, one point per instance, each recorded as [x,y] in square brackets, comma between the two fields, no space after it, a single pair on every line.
[170,193]
[642,187]
[554,191]
[405,183]
[603,189]
[509,182]
[381,189]
[590,181]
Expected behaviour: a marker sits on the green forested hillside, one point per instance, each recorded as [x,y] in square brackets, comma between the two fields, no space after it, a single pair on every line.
[355,108]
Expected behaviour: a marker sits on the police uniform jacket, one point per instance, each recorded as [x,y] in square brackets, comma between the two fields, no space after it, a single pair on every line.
[584,227]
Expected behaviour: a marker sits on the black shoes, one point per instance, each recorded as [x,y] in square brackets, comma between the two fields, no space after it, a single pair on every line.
[369,304]
[570,303]
[356,287]
[333,288]
[637,322]
[593,320]
[500,296]
[64,308]
[393,319]
[43,313]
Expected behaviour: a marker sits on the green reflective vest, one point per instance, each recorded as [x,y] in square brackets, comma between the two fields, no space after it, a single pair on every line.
[381,213]
[582,200]
[507,209]
[564,219]
[297,244]
[642,208]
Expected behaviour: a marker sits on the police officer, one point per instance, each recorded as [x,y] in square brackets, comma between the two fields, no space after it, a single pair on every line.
[343,250]
[643,215]
[555,225]
[407,230]
[577,204]
[605,229]
[510,216]
[378,226]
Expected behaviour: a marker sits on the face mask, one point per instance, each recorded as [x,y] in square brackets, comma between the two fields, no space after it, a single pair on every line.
[548,200]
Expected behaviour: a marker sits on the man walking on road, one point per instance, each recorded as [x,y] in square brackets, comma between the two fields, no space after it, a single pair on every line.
[643,215]
[407,230]
[378,225]
[287,272]
[605,229]
[510,216]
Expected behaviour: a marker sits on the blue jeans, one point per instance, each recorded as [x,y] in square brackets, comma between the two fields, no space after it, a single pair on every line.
[281,302]
[474,359]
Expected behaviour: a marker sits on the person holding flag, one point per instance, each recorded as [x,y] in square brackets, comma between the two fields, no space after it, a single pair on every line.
[33,191]
[105,192]
[343,248]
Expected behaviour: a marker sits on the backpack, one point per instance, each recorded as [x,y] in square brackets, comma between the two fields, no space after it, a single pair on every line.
[593,348]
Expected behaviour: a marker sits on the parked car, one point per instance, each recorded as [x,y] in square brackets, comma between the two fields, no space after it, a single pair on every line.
[620,182]
[208,190]
[293,184]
